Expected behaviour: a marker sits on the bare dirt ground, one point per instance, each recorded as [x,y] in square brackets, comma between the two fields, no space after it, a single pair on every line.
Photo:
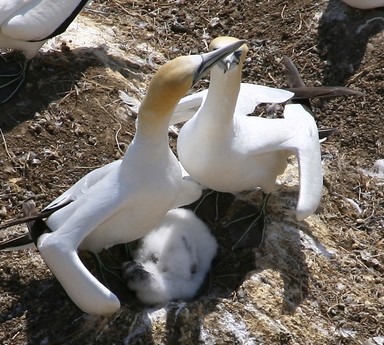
[315,282]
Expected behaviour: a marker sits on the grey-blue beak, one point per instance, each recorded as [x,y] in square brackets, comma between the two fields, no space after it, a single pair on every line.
[211,58]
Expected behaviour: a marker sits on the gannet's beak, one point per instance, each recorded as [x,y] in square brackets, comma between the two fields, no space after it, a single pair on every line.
[211,58]
[230,61]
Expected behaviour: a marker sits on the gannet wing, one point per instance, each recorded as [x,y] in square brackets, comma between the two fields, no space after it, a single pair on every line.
[18,243]
[306,146]
[323,92]
[251,95]
[296,133]
[188,106]
[190,190]
[303,92]
[34,20]
[292,74]
[82,186]
[8,8]
[71,225]
[81,286]
[71,194]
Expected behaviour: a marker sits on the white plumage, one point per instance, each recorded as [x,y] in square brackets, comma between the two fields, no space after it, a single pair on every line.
[124,200]
[365,4]
[225,150]
[26,25]
[172,260]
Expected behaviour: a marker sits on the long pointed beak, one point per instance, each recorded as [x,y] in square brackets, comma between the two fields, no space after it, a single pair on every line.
[211,58]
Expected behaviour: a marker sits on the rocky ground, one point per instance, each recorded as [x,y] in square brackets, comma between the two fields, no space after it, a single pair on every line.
[319,281]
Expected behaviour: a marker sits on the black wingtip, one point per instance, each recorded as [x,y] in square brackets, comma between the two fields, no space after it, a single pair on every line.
[31,214]
[15,243]
[324,92]
[35,223]
[36,227]
[297,86]
[292,74]
[326,132]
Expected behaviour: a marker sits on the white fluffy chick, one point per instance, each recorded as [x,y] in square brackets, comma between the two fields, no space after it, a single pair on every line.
[172,261]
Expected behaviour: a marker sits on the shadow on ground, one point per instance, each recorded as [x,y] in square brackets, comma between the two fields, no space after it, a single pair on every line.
[343,35]
[54,75]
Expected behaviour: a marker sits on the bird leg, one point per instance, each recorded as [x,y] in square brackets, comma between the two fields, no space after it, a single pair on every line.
[254,224]
[12,76]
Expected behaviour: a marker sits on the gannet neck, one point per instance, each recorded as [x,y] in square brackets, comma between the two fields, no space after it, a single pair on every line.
[171,82]
[168,85]
[225,79]
[152,131]
[223,93]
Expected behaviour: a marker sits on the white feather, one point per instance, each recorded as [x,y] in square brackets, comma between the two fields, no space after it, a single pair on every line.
[365,4]
[24,21]
[225,150]
[176,255]
[124,200]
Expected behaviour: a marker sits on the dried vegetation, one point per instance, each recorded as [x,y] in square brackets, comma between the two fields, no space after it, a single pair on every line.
[315,282]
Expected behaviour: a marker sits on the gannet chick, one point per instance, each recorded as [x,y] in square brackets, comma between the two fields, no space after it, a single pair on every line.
[226,151]
[365,4]
[124,200]
[26,25]
[172,261]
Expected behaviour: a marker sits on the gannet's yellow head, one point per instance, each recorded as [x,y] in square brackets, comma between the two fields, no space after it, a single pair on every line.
[172,81]
[230,61]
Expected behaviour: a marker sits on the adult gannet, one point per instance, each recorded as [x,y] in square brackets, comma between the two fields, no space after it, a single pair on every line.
[365,4]
[26,25]
[124,200]
[226,151]
[172,261]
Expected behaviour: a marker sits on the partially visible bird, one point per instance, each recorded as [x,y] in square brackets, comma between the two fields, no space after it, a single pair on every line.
[226,151]
[365,4]
[26,25]
[172,261]
[126,199]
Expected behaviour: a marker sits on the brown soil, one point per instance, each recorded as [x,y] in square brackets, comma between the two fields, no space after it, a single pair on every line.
[315,282]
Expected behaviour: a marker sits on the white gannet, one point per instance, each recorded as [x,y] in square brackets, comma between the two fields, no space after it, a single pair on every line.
[172,261]
[26,25]
[365,4]
[124,200]
[226,151]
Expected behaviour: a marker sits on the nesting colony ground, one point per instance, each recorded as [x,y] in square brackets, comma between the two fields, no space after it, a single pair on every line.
[315,282]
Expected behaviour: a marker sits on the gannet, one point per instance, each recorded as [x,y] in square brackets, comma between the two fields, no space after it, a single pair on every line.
[124,200]
[26,25]
[172,261]
[365,4]
[226,151]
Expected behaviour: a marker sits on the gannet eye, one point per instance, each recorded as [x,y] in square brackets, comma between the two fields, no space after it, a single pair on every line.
[237,54]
